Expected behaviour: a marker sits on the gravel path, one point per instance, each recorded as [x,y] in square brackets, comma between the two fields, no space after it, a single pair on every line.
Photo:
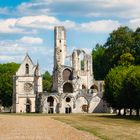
[38,128]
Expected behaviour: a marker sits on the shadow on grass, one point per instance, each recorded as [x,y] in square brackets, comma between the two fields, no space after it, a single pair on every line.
[113,116]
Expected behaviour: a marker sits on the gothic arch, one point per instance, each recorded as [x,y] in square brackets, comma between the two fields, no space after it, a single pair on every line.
[68,109]
[67,74]
[27,69]
[67,87]
[50,101]
[94,87]
[82,60]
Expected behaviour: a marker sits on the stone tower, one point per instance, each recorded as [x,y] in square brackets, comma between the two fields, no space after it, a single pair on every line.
[59,56]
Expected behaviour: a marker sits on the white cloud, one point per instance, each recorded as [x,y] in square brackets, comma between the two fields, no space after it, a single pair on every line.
[97,8]
[14,51]
[31,40]
[33,8]
[8,26]
[101,26]
[6,58]
[134,23]
[42,22]
[31,24]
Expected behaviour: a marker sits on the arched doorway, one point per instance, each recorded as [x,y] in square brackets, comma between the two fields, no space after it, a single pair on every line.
[28,105]
[67,88]
[50,102]
[68,109]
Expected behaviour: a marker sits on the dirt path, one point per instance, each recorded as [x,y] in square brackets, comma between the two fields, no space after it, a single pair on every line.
[38,128]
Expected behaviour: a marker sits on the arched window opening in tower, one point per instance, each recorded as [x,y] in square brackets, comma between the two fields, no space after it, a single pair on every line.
[67,88]
[81,59]
[27,69]
[67,75]
[94,87]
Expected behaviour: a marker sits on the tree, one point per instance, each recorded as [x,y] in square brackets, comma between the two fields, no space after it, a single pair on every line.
[136,45]
[119,44]
[47,81]
[121,48]
[114,93]
[132,89]
[126,59]
[6,82]
[98,62]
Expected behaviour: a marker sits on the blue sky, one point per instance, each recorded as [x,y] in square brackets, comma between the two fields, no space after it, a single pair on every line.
[27,26]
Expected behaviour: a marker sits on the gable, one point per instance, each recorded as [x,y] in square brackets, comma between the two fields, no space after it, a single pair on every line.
[26,68]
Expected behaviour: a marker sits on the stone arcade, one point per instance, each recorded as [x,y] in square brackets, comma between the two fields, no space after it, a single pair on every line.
[74,87]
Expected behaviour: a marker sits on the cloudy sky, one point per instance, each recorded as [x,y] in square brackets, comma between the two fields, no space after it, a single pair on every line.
[27,25]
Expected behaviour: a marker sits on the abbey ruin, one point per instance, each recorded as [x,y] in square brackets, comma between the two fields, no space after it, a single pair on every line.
[74,88]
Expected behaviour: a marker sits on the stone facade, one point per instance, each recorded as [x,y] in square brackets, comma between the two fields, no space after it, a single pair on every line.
[74,87]
[27,84]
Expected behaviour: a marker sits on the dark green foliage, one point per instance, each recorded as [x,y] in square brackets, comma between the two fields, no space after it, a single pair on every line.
[47,81]
[121,48]
[126,59]
[82,65]
[6,82]
[122,87]
[132,88]
[98,62]
[114,86]
[120,42]
[136,36]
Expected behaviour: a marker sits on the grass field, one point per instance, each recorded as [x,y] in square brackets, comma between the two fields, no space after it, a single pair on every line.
[107,127]
[103,126]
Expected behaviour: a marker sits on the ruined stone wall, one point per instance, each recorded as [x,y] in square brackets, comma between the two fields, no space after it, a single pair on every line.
[84,73]
[59,56]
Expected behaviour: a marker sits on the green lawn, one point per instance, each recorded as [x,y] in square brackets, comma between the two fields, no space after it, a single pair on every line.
[104,126]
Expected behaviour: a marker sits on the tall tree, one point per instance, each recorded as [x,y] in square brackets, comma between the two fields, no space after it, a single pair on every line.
[119,42]
[6,82]
[98,62]
[47,81]
[114,93]
[137,45]
[132,89]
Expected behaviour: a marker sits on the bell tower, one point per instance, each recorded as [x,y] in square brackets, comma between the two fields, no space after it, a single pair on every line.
[59,56]
[60,46]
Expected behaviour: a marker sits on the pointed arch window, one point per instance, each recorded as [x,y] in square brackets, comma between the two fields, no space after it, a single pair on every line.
[27,69]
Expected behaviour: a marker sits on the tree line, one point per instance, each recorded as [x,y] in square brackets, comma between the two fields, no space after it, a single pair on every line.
[118,63]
